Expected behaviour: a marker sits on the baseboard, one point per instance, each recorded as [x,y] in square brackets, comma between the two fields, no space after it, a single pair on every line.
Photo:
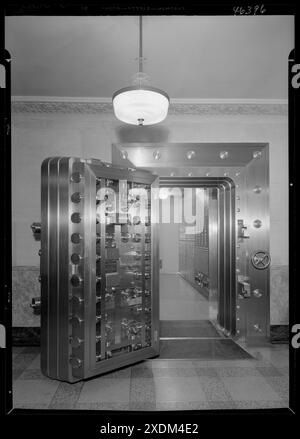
[30,336]
[279,333]
[26,336]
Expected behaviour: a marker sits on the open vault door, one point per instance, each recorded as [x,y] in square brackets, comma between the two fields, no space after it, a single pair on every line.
[99,268]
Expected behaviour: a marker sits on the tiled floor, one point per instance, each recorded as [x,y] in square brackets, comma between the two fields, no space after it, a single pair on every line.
[180,301]
[164,384]
[157,384]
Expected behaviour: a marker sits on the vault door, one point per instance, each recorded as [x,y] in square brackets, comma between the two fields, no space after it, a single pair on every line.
[99,273]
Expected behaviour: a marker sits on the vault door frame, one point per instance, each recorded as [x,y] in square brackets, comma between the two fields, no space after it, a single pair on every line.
[226,273]
[247,165]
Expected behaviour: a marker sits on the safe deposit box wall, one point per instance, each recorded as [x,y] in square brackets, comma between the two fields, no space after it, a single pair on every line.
[194,252]
[99,291]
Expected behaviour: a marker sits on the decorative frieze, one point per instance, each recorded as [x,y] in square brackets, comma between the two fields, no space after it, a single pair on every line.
[177,107]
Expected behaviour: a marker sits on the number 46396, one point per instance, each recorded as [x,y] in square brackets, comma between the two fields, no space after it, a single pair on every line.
[249,10]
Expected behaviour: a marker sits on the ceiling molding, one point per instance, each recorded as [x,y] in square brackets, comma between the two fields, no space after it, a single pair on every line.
[53,104]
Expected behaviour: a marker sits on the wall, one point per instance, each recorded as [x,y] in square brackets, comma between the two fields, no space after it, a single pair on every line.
[36,136]
[169,248]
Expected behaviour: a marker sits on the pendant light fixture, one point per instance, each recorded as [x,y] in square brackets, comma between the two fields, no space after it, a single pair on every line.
[140,104]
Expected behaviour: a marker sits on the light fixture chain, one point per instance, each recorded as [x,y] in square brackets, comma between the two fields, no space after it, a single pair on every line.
[141,45]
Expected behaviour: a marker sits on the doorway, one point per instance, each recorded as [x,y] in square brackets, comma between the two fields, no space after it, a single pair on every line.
[186,274]
[197,266]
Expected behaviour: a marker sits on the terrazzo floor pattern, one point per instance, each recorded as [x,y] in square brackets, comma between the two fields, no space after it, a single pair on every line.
[261,382]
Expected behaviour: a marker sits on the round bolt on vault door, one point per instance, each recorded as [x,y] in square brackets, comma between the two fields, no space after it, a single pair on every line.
[76,281]
[76,177]
[77,301]
[257,189]
[76,342]
[124,154]
[257,293]
[260,260]
[75,217]
[76,197]
[76,258]
[257,223]
[224,155]
[257,154]
[190,155]
[257,327]
[75,362]
[76,238]
[156,155]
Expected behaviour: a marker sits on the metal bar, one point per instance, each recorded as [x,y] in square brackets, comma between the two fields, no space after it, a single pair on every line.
[63,281]
[213,263]
[53,268]
[155,327]
[77,330]
[89,218]
[103,280]
[221,250]
[143,313]
[117,320]
[44,267]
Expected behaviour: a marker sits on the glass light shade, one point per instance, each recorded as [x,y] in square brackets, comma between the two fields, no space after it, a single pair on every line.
[163,193]
[140,105]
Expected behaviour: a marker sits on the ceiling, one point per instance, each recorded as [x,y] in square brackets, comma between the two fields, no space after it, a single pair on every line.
[190,57]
